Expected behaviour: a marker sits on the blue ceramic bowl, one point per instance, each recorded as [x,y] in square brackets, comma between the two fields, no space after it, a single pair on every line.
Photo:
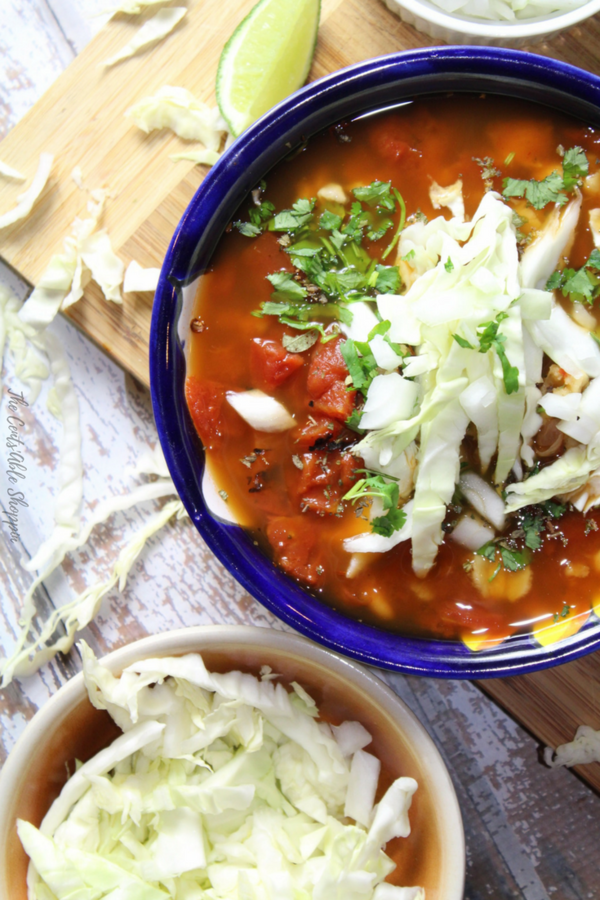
[368,85]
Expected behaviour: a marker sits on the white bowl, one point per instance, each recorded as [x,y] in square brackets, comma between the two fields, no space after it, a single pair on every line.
[68,727]
[458,29]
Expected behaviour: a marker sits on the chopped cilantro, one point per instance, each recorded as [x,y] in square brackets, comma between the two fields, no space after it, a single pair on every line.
[449,265]
[537,193]
[361,363]
[247,229]
[293,219]
[388,279]
[285,287]
[488,339]
[329,221]
[401,223]
[575,166]
[408,257]
[378,193]
[511,560]
[462,342]
[259,216]
[552,188]
[353,421]
[582,284]
[381,486]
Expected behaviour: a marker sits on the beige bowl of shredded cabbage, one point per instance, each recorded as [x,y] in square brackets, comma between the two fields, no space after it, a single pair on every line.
[227,763]
[498,23]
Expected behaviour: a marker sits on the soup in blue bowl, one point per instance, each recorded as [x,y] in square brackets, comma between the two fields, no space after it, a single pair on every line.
[374,361]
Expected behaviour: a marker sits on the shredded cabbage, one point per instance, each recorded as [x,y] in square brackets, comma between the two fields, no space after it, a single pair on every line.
[583,749]
[222,786]
[139,279]
[260,411]
[8,172]
[507,10]
[155,29]
[26,200]
[177,108]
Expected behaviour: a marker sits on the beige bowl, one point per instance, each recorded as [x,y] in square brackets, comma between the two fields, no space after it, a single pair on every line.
[68,728]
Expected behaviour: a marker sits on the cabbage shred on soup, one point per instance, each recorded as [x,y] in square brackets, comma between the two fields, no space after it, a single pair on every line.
[394,368]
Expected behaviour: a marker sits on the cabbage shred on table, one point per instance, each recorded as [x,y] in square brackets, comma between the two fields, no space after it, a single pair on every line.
[222,787]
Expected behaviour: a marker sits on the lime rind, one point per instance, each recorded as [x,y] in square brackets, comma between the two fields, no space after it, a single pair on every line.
[268,56]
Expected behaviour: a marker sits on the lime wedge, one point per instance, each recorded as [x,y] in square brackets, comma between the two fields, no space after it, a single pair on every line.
[267,58]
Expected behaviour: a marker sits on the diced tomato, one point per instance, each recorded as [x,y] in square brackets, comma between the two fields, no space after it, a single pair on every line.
[388,140]
[326,367]
[324,479]
[326,382]
[294,543]
[316,429]
[337,402]
[271,364]
[205,403]
[465,618]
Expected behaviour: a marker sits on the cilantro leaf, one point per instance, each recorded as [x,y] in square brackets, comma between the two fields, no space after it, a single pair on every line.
[329,221]
[449,265]
[575,166]
[388,279]
[578,284]
[537,193]
[386,489]
[392,521]
[513,560]
[378,193]
[247,229]
[285,287]
[488,339]
[259,216]
[353,421]
[362,368]
[463,342]
[293,219]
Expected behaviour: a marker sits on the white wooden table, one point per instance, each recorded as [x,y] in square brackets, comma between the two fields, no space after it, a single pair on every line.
[531,832]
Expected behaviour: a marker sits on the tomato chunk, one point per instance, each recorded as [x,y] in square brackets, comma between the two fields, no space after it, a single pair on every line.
[337,402]
[271,364]
[387,139]
[327,366]
[326,382]
[324,479]
[205,403]
[294,544]
[317,429]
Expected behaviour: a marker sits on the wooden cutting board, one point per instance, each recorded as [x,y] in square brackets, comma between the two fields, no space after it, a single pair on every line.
[81,121]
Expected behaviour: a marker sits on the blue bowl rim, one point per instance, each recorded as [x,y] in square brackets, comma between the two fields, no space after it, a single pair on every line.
[400,76]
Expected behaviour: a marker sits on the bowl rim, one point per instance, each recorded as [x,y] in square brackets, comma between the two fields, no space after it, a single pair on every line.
[201,638]
[520,29]
[503,71]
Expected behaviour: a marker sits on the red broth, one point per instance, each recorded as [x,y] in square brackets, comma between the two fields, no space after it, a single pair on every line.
[296,514]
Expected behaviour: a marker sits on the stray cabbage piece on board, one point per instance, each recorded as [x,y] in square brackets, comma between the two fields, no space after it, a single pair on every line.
[220,783]
[583,749]
[155,29]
